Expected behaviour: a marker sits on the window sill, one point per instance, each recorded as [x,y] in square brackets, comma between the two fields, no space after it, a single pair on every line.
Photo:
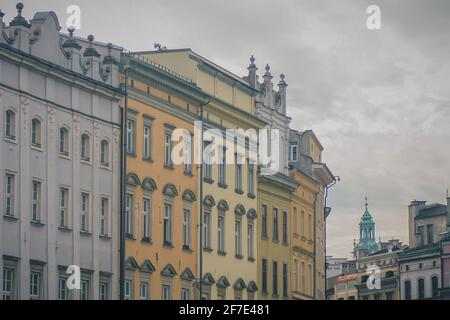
[311,241]
[86,161]
[275,295]
[238,256]
[64,155]
[251,259]
[275,241]
[208,180]
[146,240]
[104,237]
[105,166]
[10,139]
[37,223]
[11,218]
[37,147]
[264,238]
[284,243]
[221,253]
[303,238]
[148,159]
[222,185]
[251,195]
[296,235]
[168,245]
[64,229]
[169,166]
[188,174]
[238,191]
[208,249]
[187,249]
[131,154]
[85,233]
[129,236]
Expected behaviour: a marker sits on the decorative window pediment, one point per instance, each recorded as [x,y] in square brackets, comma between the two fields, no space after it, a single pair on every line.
[187,275]
[239,284]
[223,282]
[252,287]
[251,214]
[239,210]
[131,264]
[149,184]
[223,205]
[189,195]
[209,201]
[132,179]
[147,266]
[208,279]
[170,190]
[168,271]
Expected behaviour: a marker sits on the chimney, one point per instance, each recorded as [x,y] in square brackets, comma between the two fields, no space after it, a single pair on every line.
[252,78]
[413,211]
[282,85]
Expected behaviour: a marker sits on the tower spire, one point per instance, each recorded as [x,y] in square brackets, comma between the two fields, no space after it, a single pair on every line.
[367,205]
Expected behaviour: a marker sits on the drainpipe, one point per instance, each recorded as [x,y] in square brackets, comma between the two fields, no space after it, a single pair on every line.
[123,173]
[315,245]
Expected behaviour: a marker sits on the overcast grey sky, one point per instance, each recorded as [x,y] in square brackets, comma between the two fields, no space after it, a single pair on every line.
[379,101]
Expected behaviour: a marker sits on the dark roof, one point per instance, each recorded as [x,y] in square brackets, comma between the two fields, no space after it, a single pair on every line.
[432,210]
[415,252]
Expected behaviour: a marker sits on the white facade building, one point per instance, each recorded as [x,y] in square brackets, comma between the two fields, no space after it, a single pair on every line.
[59,161]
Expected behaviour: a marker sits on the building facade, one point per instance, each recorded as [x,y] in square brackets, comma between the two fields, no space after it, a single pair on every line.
[161,195]
[345,287]
[60,161]
[229,219]
[308,215]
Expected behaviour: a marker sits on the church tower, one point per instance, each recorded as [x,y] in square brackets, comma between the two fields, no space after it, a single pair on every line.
[367,243]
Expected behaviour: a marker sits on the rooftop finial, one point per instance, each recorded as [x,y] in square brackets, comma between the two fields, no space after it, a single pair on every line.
[71,30]
[282,82]
[1,14]
[367,205]
[19,20]
[267,67]
[90,38]
[19,8]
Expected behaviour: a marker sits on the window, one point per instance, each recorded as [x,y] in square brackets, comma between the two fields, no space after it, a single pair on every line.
[9,194]
[144,290]
[303,278]
[295,275]
[302,225]
[85,147]
[147,142]
[434,286]
[62,288]
[104,212]
[129,215]
[275,278]
[85,212]
[103,291]
[285,227]
[84,290]
[128,290]
[264,222]
[186,228]
[292,153]
[146,219]
[207,229]
[275,224]
[264,276]
[430,234]
[36,139]
[104,153]
[187,154]
[222,167]
[64,141]
[238,237]
[184,294]
[36,201]
[207,165]
[285,280]
[8,284]
[131,127]
[35,285]
[251,178]
[168,149]
[238,175]
[377,296]
[250,244]
[63,207]
[10,125]
[167,224]
[421,288]
[389,295]
[166,292]
[221,233]
[420,235]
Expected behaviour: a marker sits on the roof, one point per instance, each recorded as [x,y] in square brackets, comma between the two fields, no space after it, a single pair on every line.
[432,210]
[347,277]
[416,252]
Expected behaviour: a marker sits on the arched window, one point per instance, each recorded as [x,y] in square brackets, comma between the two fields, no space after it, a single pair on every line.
[389,274]
[64,141]
[104,153]
[85,147]
[10,125]
[36,132]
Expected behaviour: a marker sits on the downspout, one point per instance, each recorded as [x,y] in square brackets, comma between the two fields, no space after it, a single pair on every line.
[123,173]
[315,244]
[325,232]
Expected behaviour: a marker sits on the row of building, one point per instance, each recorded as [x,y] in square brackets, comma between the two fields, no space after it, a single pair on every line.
[418,271]
[88,178]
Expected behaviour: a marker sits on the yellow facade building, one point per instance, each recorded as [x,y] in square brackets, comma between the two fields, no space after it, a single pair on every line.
[161,197]
[229,220]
